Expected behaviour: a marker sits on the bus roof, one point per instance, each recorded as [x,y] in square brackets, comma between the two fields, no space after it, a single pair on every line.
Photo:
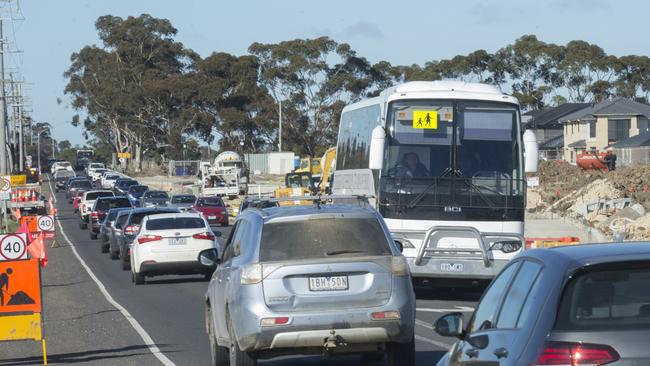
[439,89]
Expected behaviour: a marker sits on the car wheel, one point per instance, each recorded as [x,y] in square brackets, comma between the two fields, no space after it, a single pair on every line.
[138,279]
[237,356]
[76,210]
[113,255]
[224,224]
[401,353]
[124,262]
[104,248]
[82,225]
[93,236]
[219,355]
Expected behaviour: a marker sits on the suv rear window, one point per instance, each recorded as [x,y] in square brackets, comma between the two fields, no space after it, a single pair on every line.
[173,223]
[80,184]
[607,299]
[107,204]
[127,183]
[95,195]
[156,194]
[322,238]
[183,199]
[136,218]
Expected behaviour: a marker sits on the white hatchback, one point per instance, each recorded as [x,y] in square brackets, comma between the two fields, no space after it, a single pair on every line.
[170,244]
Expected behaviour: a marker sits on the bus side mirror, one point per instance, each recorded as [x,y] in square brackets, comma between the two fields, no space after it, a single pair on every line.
[530,152]
[377,142]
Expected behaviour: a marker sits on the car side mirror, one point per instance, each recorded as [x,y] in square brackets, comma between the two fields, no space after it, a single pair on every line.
[400,246]
[530,152]
[450,325]
[209,258]
[377,142]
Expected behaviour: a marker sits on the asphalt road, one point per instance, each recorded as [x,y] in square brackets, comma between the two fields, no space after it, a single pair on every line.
[171,310]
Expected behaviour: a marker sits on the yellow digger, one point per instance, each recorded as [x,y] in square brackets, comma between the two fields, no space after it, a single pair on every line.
[296,184]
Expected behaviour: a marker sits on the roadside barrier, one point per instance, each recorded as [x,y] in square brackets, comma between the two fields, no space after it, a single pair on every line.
[532,243]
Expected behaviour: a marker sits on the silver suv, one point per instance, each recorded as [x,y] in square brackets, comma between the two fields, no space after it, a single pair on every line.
[321,279]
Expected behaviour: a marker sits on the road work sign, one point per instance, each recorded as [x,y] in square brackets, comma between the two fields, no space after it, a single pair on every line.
[20,287]
[125,155]
[18,180]
[13,246]
[427,120]
[45,223]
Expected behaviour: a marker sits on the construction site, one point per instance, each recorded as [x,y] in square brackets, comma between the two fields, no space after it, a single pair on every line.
[615,203]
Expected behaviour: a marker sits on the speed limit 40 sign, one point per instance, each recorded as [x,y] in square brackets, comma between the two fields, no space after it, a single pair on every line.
[45,223]
[13,246]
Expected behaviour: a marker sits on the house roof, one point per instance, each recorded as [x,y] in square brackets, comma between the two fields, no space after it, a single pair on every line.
[550,117]
[634,141]
[617,106]
[580,144]
[553,143]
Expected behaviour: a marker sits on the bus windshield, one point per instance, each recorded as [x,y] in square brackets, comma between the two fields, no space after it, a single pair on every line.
[450,155]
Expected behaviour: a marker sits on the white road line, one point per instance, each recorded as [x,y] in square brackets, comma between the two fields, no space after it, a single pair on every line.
[153,348]
[450,310]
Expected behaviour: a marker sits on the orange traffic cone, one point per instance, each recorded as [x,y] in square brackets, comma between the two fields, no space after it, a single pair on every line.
[20,195]
[33,195]
[13,196]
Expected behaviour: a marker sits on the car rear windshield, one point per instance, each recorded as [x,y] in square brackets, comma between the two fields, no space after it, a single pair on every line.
[95,195]
[157,195]
[173,223]
[138,189]
[136,218]
[322,238]
[607,299]
[210,202]
[80,184]
[183,199]
[112,214]
[121,219]
[107,204]
[127,183]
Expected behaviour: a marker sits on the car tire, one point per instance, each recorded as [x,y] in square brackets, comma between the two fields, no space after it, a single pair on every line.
[138,279]
[93,236]
[124,264]
[207,275]
[113,255]
[219,355]
[237,356]
[401,353]
[76,210]
[104,248]
[83,225]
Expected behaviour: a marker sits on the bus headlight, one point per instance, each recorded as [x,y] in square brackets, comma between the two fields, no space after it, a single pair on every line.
[507,246]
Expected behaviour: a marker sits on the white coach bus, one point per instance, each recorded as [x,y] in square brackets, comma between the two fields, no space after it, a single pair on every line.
[445,163]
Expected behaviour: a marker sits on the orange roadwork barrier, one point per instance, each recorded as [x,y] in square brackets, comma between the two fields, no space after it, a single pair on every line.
[532,243]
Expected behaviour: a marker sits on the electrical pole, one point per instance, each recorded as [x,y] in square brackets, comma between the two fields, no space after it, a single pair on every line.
[3,122]
[280,128]
[21,140]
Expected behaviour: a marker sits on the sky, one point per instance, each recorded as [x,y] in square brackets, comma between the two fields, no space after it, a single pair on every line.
[401,32]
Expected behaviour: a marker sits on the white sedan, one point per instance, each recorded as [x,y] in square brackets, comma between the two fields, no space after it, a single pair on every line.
[170,244]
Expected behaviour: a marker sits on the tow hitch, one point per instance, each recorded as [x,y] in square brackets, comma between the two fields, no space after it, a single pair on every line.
[332,342]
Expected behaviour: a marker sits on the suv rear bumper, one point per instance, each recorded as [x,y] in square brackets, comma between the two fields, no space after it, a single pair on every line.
[158,268]
[308,329]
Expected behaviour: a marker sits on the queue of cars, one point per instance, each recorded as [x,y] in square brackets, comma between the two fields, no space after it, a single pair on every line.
[330,279]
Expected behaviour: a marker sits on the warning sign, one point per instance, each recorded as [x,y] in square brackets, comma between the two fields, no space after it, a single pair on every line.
[5,187]
[13,246]
[425,120]
[45,223]
[20,286]
[18,180]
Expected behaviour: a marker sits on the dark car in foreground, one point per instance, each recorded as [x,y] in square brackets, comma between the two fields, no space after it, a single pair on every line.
[116,232]
[135,192]
[130,229]
[61,179]
[99,210]
[575,305]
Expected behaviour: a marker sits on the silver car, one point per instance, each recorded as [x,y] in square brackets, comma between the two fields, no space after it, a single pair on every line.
[322,279]
[576,305]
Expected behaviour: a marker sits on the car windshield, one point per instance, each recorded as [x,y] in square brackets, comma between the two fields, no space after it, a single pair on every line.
[64,174]
[127,183]
[121,219]
[136,217]
[607,299]
[183,199]
[112,177]
[173,223]
[156,194]
[112,214]
[210,202]
[107,204]
[94,195]
[96,165]
[137,191]
[322,238]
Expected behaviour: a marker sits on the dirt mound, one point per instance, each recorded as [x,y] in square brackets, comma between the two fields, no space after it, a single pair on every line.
[634,181]
[558,179]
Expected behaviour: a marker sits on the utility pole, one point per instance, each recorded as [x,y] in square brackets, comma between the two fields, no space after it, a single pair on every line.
[280,128]
[21,140]
[3,122]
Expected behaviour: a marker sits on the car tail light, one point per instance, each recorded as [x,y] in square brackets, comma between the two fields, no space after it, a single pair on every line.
[399,266]
[131,229]
[385,315]
[575,354]
[267,322]
[204,236]
[94,215]
[149,238]
[251,274]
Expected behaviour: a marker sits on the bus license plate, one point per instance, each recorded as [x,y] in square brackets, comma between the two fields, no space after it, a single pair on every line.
[333,283]
[177,241]
[451,267]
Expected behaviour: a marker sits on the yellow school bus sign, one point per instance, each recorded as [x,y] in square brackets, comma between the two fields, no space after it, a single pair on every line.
[426,120]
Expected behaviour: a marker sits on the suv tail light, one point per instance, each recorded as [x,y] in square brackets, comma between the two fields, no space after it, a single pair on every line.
[575,354]
[149,238]
[131,229]
[94,215]
[204,236]
[385,315]
[267,322]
